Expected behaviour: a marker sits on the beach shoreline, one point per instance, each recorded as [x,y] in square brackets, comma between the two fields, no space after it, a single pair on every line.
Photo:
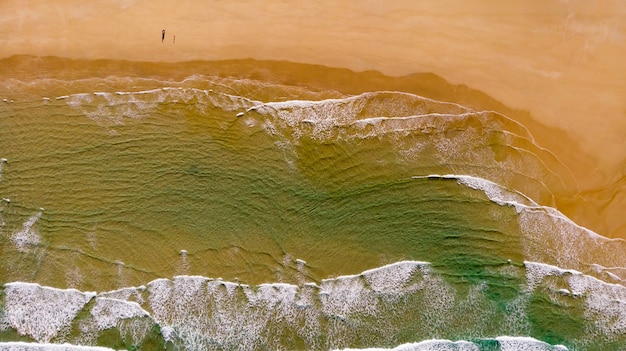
[561,61]
[555,64]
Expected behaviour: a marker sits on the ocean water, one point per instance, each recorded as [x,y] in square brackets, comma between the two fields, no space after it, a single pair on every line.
[170,210]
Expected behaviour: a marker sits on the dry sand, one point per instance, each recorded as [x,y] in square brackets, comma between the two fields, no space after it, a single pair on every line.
[563,61]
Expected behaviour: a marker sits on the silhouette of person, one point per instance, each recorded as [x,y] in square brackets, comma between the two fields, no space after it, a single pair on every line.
[162,35]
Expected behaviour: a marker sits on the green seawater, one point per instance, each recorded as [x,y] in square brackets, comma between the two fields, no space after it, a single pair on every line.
[121,200]
[138,189]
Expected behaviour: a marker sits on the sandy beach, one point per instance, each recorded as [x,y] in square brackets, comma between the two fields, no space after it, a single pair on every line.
[562,61]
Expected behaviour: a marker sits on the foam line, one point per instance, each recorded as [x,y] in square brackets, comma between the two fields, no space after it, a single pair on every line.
[536,271]
[41,312]
[310,103]
[506,343]
[521,343]
[28,346]
[107,312]
[231,312]
[494,191]
[544,229]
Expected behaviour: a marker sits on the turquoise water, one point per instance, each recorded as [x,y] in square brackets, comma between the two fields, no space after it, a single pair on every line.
[225,213]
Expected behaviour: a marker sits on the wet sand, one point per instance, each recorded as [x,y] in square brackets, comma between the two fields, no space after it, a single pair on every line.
[562,61]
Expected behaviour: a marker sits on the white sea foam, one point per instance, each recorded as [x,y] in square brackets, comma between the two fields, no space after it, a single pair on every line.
[343,301]
[414,124]
[28,346]
[503,196]
[76,100]
[370,96]
[497,193]
[132,321]
[547,234]
[41,312]
[392,280]
[517,343]
[429,345]
[536,272]
[106,107]
[27,237]
[564,292]
[494,191]
[506,343]
[327,114]
[124,293]
[604,302]
[347,295]
[202,313]
[108,312]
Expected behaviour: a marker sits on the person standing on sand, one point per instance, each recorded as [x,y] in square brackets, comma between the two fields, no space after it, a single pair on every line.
[162,35]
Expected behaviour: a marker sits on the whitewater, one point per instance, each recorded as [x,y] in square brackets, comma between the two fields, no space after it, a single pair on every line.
[217,212]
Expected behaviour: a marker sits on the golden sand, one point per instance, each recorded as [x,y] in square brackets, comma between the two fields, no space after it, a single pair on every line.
[562,61]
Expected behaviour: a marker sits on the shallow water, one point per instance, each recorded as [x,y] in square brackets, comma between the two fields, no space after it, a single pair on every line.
[231,212]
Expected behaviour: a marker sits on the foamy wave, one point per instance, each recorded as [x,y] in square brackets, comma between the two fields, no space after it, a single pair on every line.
[392,280]
[360,110]
[249,317]
[27,346]
[195,312]
[42,312]
[199,92]
[134,294]
[566,244]
[484,144]
[502,343]
[109,312]
[494,191]
[511,343]
[428,345]
[604,303]
[114,107]
[549,236]
[27,237]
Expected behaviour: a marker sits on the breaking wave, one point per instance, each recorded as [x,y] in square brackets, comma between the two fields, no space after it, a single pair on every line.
[371,308]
